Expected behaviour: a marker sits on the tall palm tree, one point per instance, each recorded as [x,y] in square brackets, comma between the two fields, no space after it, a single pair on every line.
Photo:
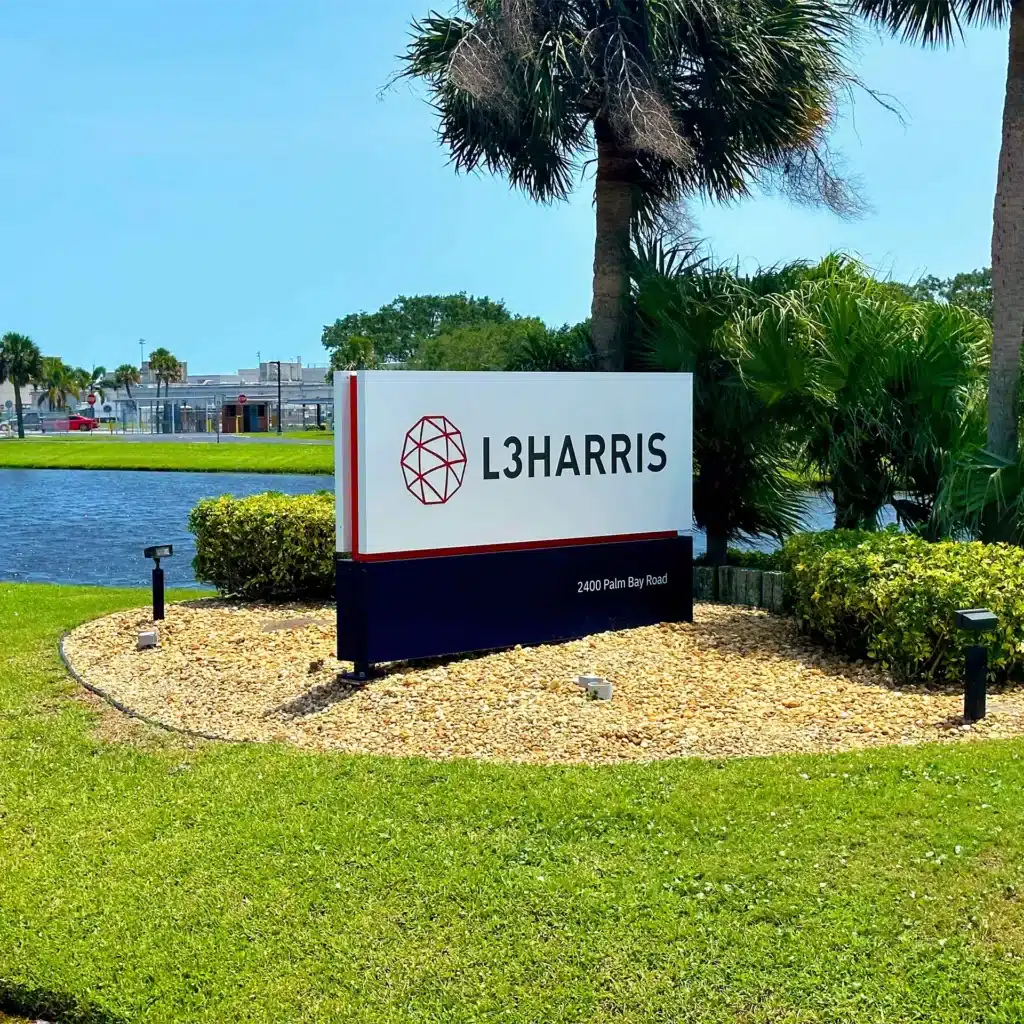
[57,381]
[99,382]
[83,381]
[125,376]
[678,98]
[939,22]
[20,363]
[165,367]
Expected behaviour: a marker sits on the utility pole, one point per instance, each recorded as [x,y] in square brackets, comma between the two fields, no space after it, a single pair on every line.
[142,358]
[278,361]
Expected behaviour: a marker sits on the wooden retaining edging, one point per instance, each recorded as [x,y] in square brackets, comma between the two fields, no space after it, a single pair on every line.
[729,584]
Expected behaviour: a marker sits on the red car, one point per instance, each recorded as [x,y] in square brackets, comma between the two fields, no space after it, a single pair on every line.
[77,422]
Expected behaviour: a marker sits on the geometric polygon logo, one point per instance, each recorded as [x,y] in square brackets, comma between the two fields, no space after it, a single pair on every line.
[433,460]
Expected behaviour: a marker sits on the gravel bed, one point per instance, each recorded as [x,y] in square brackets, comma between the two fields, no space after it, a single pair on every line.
[735,682]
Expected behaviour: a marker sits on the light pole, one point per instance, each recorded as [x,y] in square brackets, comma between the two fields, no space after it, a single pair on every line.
[278,361]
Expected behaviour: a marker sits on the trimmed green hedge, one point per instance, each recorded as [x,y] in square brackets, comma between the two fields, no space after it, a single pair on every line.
[766,561]
[891,596]
[266,546]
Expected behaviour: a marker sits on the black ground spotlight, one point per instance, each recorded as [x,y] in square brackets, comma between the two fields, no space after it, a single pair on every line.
[157,552]
[975,620]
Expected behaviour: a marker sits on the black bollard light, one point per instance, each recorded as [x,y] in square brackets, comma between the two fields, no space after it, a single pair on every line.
[156,553]
[975,620]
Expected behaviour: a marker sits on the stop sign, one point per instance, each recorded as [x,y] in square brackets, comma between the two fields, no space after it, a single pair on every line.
[91,399]
[242,399]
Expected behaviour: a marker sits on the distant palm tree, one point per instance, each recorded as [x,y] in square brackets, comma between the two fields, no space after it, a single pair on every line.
[20,363]
[165,367]
[99,381]
[125,376]
[939,22]
[57,381]
[80,376]
[676,98]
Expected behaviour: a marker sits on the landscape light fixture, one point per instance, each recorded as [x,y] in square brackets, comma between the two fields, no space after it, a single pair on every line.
[157,552]
[975,620]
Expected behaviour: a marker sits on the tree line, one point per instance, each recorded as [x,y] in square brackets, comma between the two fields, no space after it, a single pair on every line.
[23,364]
[453,332]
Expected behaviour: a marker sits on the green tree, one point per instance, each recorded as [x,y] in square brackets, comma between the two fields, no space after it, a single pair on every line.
[487,346]
[743,449]
[678,98]
[562,349]
[88,381]
[884,392]
[165,368]
[938,22]
[971,289]
[521,344]
[396,331]
[57,381]
[99,382]
[354,352]
[126,376]
[21,364]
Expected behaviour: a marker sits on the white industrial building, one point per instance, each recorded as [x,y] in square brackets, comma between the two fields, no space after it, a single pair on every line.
[199,403]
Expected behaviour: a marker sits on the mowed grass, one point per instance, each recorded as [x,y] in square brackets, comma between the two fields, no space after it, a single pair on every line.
[325,436]
[208,457]
[159,882]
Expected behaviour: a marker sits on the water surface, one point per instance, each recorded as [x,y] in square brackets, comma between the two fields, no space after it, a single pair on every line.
[90,526]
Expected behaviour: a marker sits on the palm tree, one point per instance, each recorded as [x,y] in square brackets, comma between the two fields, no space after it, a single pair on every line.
[935,22]
[742,449]
[125,376]
[20,363]
[57,381]
[678,97]
[99,382]
[884,392]
[80,376]
[165,368]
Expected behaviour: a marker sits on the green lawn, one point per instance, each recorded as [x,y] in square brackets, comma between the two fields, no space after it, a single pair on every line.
[244,883]
[325,436]
[115,453]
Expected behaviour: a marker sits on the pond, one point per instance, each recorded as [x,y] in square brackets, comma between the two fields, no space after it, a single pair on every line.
[90,526]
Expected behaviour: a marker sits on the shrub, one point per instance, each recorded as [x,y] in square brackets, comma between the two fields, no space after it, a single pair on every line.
[892,596]
[266,546]
[767,561]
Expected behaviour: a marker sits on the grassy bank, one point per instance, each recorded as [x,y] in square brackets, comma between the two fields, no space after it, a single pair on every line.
[205,457]
[165,883]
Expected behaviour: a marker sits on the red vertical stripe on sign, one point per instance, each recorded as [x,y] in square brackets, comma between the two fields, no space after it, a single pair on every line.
[353,460]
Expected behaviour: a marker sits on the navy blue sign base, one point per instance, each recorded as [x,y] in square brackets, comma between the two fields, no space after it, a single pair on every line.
[426,607]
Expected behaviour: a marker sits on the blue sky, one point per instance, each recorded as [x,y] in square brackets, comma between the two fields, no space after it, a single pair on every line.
[224,178]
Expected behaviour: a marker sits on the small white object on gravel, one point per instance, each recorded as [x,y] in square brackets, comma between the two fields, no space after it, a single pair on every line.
[148,639]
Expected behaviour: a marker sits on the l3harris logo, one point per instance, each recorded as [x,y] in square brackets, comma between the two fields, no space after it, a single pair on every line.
[433,460]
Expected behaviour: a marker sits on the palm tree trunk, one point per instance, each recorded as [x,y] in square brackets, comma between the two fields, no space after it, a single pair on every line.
[718,547]
[18,411]
[1008,254]
[613,197]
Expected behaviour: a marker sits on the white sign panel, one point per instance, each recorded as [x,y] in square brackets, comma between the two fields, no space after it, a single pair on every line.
[465,461]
